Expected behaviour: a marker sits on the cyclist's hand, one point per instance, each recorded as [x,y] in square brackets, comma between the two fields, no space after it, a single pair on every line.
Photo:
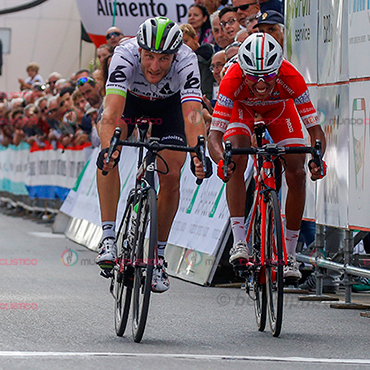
[102,165]
[316,170]
[220,170]
[197,168]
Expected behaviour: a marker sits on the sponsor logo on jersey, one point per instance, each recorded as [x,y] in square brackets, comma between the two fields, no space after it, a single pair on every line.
[304,98]
[166,89]
[225,101]
[191,82]
[118,75]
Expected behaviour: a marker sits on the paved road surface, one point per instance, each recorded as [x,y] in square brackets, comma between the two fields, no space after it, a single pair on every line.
[55,316]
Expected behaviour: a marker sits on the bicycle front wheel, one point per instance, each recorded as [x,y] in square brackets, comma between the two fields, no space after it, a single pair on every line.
[274,263]
[144,261]
[123,274]
[259,284]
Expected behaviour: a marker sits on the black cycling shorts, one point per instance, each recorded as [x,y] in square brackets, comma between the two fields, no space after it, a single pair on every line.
[164,114]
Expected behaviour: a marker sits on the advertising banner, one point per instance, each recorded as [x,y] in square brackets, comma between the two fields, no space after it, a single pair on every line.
[201,218]
[359,38]
[301,36]
[332,190]
[98,15]
[359,155]
[332,41]
[13,168]
[52,173]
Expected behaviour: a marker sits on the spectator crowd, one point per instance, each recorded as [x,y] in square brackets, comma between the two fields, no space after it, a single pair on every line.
[63,110]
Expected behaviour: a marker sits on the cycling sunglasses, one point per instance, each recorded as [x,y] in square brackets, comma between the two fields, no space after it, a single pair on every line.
[83,80]
[112,34]
[265,78]
[243,7]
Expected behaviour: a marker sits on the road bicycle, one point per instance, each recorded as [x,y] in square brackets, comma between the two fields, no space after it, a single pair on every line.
[131,277]
[265,236]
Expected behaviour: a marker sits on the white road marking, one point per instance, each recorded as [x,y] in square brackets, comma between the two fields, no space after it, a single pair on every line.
[14,354]
[40,234]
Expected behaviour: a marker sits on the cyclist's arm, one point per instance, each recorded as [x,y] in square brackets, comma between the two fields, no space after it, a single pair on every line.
[215,145]
[114,106]
[316,133]
[194,126]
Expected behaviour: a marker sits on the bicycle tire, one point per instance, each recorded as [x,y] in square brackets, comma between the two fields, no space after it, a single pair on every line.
[259,288]
[123,273]
[145,253]
[274,263]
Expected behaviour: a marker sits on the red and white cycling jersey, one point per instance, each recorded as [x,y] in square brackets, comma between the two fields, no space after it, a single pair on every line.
[236,104]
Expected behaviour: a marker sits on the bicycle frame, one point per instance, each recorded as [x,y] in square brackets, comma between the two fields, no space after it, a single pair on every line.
[265,179]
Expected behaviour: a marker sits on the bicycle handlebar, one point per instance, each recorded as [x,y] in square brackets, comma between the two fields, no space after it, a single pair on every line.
[274,150]
[154,146]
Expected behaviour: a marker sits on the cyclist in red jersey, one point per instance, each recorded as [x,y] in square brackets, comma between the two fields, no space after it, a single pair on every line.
[261,84]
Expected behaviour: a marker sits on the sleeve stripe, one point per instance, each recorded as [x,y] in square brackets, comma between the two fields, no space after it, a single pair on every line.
[191,98]
[116,91]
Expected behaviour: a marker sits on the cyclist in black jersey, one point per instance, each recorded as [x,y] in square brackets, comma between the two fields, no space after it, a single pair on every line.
[156,76]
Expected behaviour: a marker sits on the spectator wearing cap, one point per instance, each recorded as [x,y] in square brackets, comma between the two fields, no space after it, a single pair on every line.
[272,22]
[33,76]
[228,22]
[245,9]
[276,5]
[113,36]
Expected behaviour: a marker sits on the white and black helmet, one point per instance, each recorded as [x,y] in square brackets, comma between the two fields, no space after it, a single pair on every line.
[260,54]
[160,35]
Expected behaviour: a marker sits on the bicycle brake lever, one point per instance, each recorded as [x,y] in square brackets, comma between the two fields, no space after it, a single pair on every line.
[227,157]
[113,145]
[201,154]
[317,157]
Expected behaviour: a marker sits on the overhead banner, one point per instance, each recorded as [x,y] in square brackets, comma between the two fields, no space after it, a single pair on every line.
[98,15]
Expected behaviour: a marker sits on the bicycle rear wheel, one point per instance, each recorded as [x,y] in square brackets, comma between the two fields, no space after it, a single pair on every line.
[274,263]
[123,274]
[259,287]
[144,261]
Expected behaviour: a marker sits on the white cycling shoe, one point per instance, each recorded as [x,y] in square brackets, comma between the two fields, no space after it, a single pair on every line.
[160,281]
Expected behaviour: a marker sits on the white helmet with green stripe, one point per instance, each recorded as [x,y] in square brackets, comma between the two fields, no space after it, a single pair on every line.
[260,54]
[160,35]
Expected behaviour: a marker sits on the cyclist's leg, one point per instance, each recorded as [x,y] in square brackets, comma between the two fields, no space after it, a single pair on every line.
[109,191]
[239,134]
